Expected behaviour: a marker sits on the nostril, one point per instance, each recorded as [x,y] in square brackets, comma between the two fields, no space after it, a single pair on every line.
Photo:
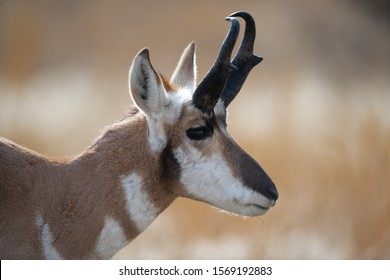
[271,189]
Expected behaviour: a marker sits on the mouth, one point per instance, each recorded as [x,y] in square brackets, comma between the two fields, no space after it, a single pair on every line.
[257,209]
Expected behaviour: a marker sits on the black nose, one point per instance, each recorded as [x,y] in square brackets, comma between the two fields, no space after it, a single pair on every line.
[272,191]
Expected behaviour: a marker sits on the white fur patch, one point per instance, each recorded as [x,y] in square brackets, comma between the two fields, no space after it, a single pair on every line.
[157,138]
[167,114]
[182,96]
[112,238]
[140,207]
[220,110]
[49,251]
[209,178]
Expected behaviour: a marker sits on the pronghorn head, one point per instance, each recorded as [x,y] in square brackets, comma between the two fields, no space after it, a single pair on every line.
[187,123]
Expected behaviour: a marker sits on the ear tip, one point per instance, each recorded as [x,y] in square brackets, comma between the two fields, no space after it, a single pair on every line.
[142,58]
[144,52]
[191,46]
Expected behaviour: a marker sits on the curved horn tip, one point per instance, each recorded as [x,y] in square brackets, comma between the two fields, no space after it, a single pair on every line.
[234,22]
[230,40]
[244,15]
[229,18]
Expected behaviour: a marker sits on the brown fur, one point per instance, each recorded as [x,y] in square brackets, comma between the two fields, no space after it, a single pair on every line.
[74,196]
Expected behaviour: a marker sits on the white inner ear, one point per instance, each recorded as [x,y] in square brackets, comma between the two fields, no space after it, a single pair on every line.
[185,72]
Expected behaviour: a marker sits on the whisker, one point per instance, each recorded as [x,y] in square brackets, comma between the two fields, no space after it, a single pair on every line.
[256,217]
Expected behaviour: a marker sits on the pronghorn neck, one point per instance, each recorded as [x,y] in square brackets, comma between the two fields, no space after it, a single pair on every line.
[123,189]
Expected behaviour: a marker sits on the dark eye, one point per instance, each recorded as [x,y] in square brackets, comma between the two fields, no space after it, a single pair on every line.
[199,133]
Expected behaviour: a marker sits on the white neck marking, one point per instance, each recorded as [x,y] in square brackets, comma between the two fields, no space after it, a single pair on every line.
[112,238]
[50,253]
[140,207]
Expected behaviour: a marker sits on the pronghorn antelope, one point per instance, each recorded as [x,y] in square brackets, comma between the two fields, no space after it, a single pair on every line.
[173,143]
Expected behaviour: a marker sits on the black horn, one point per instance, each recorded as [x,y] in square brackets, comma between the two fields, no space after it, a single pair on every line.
[211,87]
[244,60]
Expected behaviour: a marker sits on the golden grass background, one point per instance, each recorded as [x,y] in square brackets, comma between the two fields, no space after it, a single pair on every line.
[315,113]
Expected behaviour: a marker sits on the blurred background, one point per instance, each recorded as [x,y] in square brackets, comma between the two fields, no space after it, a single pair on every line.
[315,113]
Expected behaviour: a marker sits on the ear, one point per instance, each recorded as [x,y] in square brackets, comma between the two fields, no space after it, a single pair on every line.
[146,88]
[185,72]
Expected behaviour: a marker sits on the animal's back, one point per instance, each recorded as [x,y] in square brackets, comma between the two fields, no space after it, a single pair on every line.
[19,170]
[20,173]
